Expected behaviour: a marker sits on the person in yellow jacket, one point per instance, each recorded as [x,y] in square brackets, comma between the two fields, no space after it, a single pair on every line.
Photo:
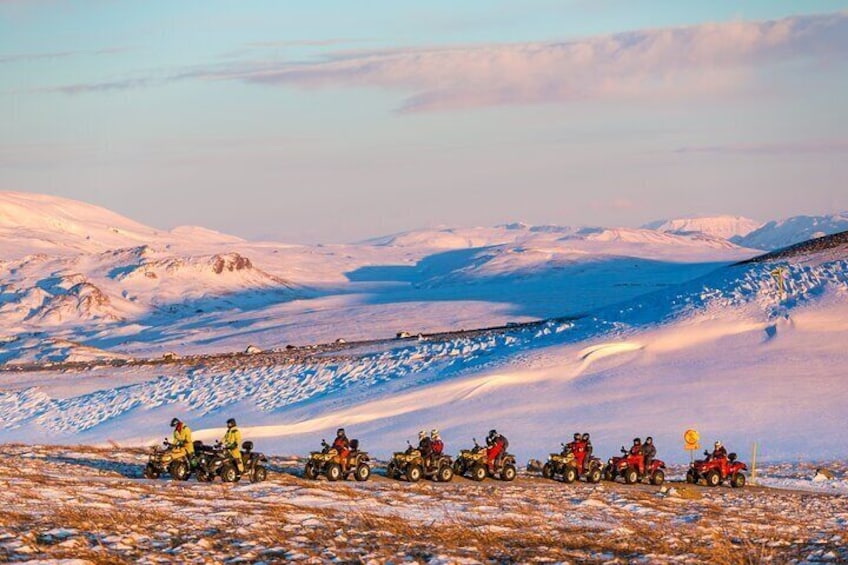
[232,442]
[183,446]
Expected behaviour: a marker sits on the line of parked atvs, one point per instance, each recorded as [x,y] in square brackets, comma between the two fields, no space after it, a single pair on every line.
[411,465]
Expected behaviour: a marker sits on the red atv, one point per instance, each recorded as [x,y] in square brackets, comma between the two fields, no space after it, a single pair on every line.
[715,471]
[632,468]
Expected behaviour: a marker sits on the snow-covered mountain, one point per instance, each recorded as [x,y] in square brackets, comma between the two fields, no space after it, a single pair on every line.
[724,227]
[783,233]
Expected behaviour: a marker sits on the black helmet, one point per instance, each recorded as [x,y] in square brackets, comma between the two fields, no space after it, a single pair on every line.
[637,440]
[649,439]
[586,437]
[231,423]
[493,433]
[577,436]
[174,422]
[340,432]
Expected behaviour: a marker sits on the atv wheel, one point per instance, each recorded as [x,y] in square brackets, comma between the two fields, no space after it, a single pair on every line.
[390,470]
[445,474]
[458,468]
[363,472]
[691,477]
[548,470]
[631,476]
[508,473]
[658,478]
[569,475]
[738,480]
[413,473]
[334,472]
[203,476]
[150,472]
[259,474]
[713,478]
[179,470]
[229,473]
[309,472]
[608,474]
[478,473]
[594,476]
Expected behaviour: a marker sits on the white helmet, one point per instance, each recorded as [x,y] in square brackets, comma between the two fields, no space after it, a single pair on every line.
[422,434]
[717,444]
[434,433]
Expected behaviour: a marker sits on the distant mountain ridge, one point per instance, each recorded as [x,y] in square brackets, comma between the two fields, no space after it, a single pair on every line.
[783,233]
[725,227]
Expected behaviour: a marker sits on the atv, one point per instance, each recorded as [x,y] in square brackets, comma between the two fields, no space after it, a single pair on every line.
[473,463]
[714,471]
[327,462]
[218,461]
[411,465]
[632,468]
[564,464]
[169,459]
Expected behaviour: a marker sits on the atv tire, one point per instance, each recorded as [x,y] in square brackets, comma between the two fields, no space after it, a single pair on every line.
[362,472]
[658,478]
[631,476]
[608,474]
[713,478]
[179,470]
[478,473]
[445,474]
[151,472]
[594,476]
[391,471]
[569,475]
[334,472]
[691,477]
[738,480]
[548,470]
[203,476]
[459,468]
[508,473]
[414,473]
[259,474]
[229,473]
[309,472]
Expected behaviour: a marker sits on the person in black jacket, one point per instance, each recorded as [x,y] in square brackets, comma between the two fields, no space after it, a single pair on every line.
[649,451]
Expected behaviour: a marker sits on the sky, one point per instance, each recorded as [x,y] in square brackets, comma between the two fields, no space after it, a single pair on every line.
[337,121]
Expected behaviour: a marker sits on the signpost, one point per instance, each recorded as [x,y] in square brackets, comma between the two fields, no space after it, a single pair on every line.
[780,275]
[690,443]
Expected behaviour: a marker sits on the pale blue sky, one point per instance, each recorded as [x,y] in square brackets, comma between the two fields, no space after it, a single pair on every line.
[336,121]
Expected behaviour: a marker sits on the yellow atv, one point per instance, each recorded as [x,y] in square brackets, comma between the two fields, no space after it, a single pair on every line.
[564,464]
[169,459]
[411,465]
[472,462]
[327,462]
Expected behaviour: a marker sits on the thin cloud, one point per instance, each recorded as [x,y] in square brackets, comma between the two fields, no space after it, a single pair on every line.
[29,57]
[784,148]
[307,42]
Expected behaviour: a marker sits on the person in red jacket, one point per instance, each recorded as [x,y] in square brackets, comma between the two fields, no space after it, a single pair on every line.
[342,445]
[578,448]
[495,443]
[436,443]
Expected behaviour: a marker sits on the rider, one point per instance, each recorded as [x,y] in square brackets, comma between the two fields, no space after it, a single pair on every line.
[637,447]
[342,445]
[425,446]
[587,443]
[182,437]
[495,443]
[719,451]
[649,451]
[578,448]
[232,441]
[436,443]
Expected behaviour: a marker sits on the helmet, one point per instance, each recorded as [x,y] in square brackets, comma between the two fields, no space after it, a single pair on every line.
[422,434]
[717,444]
[340,432]
[434,433]
[577,437]
[649,439]
[585,437]
[636,440]
[493,433]
[174,422]
[231,423]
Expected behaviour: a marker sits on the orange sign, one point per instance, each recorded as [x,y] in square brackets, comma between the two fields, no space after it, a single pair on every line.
[691,437]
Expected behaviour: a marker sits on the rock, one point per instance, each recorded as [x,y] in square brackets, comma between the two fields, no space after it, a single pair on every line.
[824,475]
[534,466]
[170,356]
[252,350]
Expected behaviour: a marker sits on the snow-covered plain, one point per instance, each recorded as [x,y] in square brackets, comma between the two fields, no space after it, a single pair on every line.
[665,336]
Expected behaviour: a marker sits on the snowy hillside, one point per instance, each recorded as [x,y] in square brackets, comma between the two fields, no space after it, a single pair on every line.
[783,233]
[724,227]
